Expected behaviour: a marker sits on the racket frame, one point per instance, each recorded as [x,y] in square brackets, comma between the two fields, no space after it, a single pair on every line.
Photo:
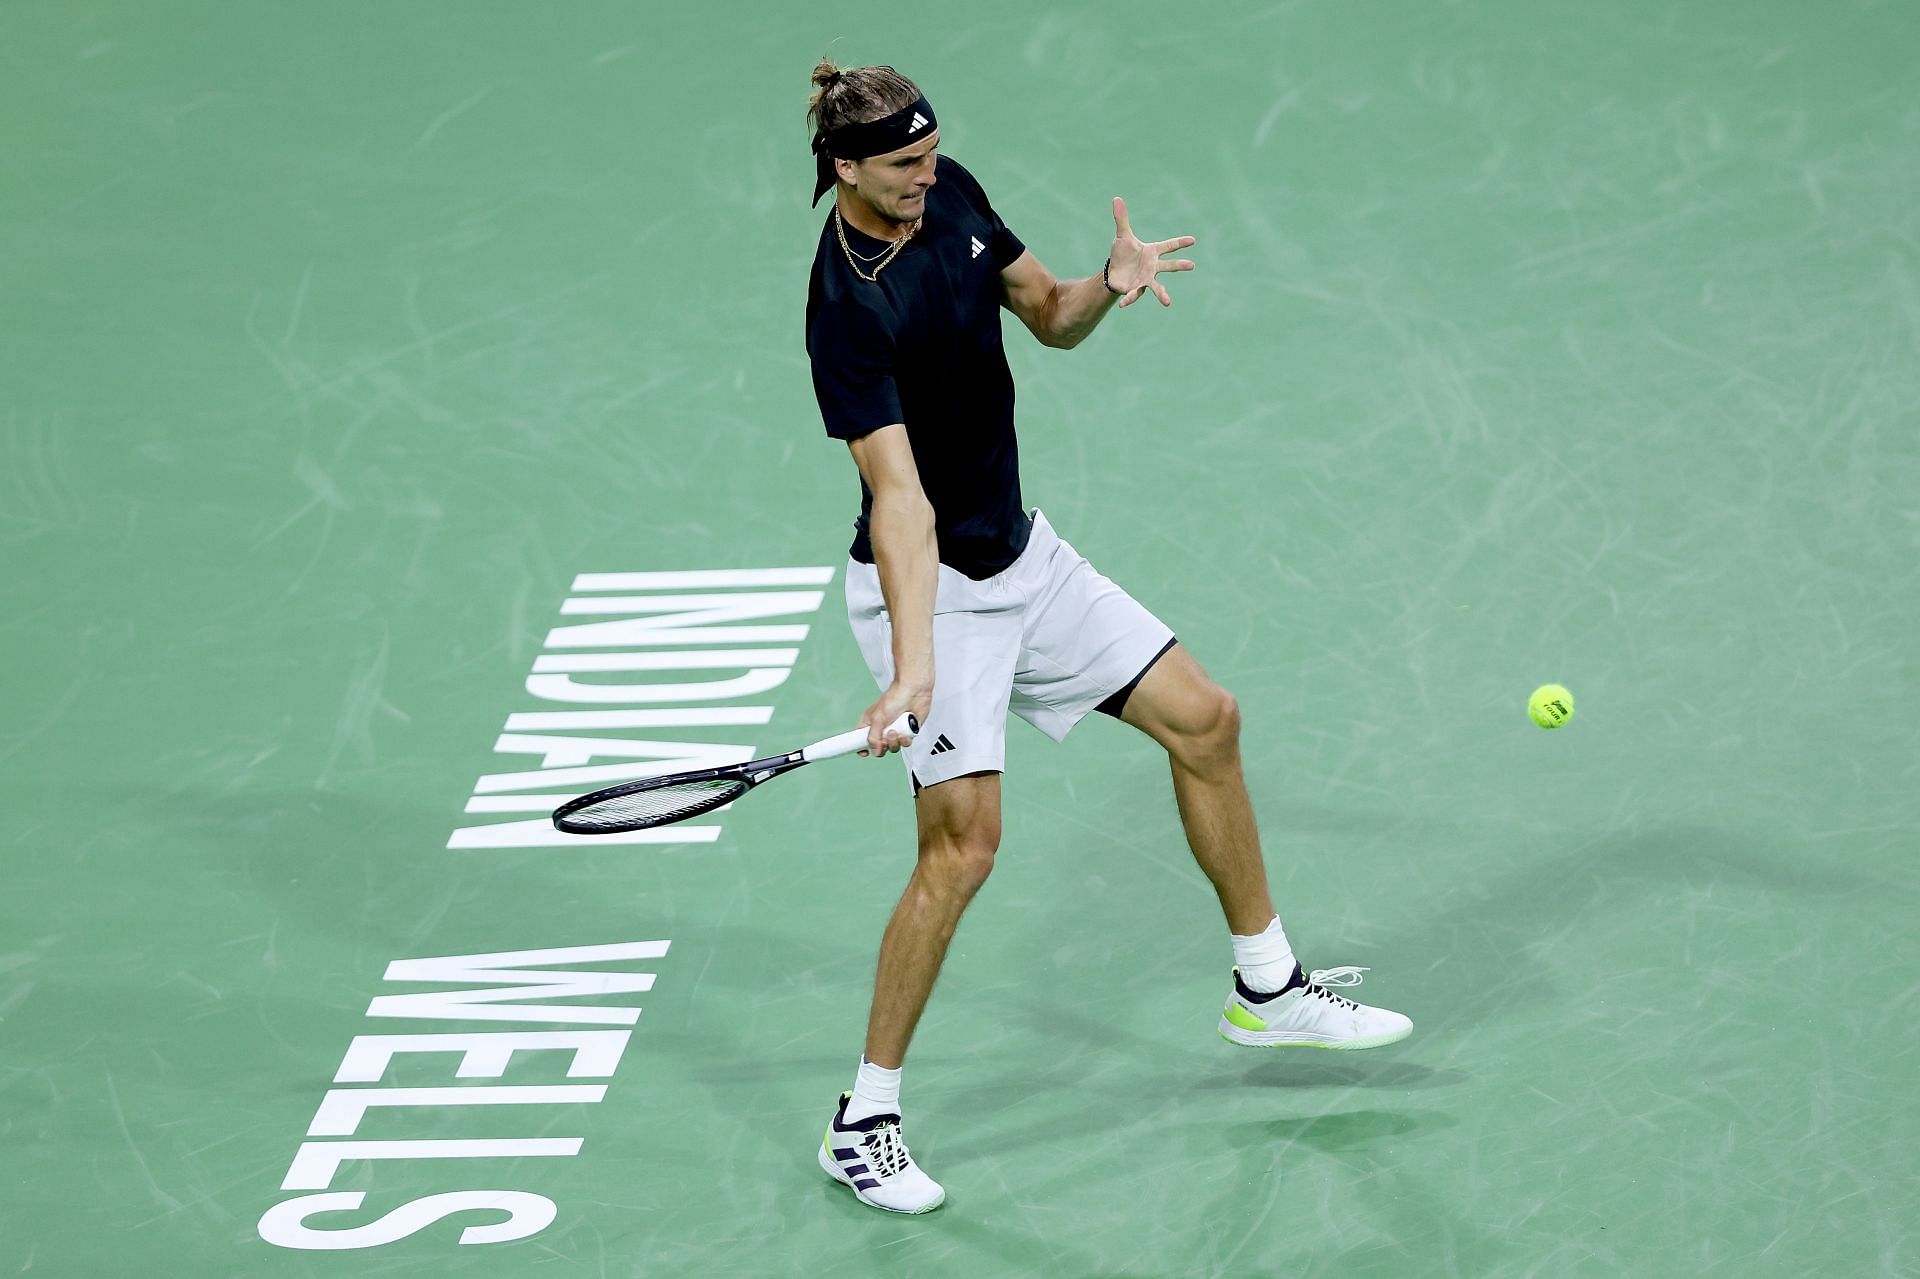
[753,773]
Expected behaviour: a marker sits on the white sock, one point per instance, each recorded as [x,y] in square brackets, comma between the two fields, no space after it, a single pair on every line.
[876,1091]
[1265,959]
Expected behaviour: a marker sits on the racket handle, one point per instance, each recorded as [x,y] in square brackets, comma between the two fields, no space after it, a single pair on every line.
[847,743]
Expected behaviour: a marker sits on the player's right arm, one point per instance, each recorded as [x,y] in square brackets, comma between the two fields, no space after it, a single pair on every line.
[907,554]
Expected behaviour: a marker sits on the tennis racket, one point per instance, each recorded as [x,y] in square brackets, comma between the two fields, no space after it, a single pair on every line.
[661,801]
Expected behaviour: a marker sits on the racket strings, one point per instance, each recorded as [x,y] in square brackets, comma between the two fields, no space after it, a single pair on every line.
[656,806]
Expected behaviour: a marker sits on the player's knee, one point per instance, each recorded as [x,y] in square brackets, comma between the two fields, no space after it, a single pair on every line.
[1212,735]
[960,861]
[1227,715]
[959,833]
[975,862]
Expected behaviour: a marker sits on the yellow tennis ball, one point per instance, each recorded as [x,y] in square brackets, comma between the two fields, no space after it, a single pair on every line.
[1551,705]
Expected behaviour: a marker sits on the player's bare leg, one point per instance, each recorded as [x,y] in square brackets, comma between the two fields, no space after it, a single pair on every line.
[959,824]
[1198,723]
[1274,1001]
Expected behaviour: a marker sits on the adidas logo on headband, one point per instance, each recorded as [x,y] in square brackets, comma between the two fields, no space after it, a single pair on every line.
[919,123]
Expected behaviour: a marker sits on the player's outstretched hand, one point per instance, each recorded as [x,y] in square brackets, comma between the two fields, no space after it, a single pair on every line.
[1135,264]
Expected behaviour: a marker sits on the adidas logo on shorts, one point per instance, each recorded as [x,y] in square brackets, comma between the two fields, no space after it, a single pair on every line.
[941,745]
[978,248]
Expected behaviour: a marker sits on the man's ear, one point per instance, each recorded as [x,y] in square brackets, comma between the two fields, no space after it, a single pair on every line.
[848,170]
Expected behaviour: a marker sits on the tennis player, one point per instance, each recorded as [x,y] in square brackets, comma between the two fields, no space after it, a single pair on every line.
[949,576]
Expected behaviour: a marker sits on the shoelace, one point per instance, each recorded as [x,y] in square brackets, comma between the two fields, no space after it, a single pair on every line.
[1321,978]
[886,1151]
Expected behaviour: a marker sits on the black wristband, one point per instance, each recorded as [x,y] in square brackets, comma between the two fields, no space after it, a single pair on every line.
[1109,283]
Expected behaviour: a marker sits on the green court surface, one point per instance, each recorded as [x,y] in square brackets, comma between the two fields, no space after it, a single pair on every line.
[1528,343]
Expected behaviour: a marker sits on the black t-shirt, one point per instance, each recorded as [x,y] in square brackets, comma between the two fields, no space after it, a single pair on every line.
[921,346]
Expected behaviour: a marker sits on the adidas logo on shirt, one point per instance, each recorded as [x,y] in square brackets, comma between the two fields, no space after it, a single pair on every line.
[919,123]
[977,246]
[941,746]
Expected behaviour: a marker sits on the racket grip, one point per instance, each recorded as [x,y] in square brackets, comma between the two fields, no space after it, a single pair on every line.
[856,740]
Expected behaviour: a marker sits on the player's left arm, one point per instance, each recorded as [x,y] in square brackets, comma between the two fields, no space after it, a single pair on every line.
[1062,312]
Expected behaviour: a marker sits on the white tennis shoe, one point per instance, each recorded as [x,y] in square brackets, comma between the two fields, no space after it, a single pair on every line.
[872,1159]
[1308,1014]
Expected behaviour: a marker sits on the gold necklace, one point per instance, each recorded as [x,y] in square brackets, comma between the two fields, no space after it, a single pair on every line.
[867,257]
[854,260]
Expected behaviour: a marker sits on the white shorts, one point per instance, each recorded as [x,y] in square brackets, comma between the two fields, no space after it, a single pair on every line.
[1048,638]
